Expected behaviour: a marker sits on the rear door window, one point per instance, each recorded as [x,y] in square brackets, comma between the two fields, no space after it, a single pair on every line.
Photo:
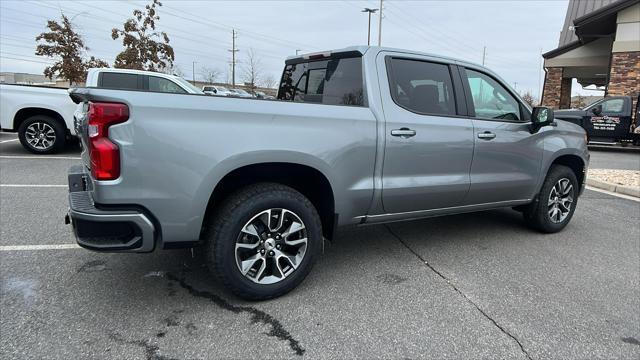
[119,81]
[331,82]
[422,87]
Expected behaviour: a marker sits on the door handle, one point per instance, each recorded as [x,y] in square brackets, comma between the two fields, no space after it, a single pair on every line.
[487,135]
[404,132]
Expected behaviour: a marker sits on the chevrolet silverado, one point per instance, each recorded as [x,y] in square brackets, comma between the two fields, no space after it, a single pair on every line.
[361,135]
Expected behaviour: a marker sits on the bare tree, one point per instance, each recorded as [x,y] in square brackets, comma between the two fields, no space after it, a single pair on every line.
[252,70]
[210,75]
[172,69]
[579,102]
[144,47]
[528,98]
[269,82]
[66,46]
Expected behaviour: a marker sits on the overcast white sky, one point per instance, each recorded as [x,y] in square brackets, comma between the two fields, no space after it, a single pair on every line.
[514,32]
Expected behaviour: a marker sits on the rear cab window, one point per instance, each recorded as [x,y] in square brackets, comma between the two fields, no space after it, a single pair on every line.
[336,80]
[112,80]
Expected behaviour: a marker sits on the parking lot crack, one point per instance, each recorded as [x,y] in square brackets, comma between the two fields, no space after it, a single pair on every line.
[454,287]
[257,316]
[151,350]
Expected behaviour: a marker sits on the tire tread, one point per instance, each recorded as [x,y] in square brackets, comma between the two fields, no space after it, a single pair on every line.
[214,233]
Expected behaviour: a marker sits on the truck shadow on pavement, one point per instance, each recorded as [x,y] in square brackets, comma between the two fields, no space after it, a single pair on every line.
[179,279]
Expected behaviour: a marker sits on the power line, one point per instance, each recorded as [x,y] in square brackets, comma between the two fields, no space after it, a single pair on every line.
[208,22]
[456,43]
[96,31]
[27,60]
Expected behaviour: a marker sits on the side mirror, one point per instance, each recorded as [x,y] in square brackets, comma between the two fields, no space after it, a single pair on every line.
[540,117]
[597,110]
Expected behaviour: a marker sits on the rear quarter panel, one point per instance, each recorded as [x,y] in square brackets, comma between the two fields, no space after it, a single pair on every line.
[176,148]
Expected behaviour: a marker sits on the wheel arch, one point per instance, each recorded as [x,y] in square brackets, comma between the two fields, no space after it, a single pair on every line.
[27,112]
[575,163]
[306,179]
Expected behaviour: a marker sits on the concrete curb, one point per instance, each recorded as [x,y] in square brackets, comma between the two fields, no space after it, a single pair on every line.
[621,189]
[615,148]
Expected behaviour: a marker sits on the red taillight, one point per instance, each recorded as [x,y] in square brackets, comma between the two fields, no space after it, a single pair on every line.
[105,155]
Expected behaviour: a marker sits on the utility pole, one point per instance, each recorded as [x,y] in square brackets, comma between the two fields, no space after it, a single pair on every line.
[380,26]
[194,73]
[370,11]
[484,52]
[233,57]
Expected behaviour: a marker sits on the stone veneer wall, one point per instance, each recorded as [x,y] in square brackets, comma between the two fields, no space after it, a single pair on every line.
[557,90]
[624,76]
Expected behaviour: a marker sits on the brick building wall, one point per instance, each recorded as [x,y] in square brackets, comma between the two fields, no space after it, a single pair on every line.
[624,75]
[556,93]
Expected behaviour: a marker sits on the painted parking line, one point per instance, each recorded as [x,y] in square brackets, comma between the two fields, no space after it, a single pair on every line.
[614,194]
[6,141]
[33,186]
[39,247]
[39,157]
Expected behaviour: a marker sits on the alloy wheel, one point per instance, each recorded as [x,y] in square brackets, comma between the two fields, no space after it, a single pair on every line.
[560,200]
[271,246]
[40,135]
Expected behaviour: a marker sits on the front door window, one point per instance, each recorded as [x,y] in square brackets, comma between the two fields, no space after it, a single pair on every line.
[490,99]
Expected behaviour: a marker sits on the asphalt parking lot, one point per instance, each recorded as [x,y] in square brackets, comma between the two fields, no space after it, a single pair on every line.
[467,286]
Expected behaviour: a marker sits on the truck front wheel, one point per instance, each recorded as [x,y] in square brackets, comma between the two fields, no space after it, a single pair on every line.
[41,134]
[263,241]
[556,203]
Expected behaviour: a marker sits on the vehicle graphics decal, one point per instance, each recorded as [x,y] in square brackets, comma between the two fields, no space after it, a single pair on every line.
[605,122]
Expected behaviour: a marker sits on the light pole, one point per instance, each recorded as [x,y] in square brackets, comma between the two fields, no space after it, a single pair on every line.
[370,11]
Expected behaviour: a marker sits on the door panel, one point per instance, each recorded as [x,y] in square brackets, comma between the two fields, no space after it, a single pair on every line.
[507,157]
[428,149]
[429,170]
[612,124]
[505,167]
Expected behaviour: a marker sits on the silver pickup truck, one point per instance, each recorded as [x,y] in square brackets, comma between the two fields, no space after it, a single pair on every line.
[361,135]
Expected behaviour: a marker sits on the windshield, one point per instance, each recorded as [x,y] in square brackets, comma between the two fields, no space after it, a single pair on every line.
[192,89]
[240,91]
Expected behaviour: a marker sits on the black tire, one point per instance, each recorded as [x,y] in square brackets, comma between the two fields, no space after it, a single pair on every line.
[224,228]
[45,121]
[537,214]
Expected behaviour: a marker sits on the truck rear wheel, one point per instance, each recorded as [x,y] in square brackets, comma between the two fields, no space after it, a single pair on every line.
[263,241]
[41,134]
[556,203]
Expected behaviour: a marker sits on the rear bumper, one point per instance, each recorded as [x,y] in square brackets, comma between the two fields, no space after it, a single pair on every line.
[106,230]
